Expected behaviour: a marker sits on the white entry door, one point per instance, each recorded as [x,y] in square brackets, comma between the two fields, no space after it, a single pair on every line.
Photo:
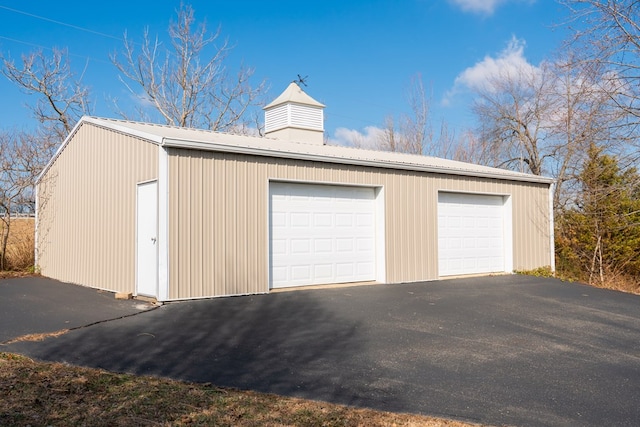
[146,242]
[471,234]
[321,234]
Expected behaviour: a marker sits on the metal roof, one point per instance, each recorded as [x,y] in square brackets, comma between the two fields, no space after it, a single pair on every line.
[176,137]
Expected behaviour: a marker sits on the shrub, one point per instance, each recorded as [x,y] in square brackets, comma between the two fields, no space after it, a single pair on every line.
[538,272]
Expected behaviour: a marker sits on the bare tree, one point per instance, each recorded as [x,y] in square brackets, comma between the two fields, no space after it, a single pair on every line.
[182,87]
[22,158]
[61,98]
[607,33]
[390,139]
[448,144]
[512,109]
[413,132]
[582,117]
[542,120]
[472,148]
[416,128]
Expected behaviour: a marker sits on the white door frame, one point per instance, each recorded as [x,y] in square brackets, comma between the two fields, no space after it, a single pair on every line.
[147,238]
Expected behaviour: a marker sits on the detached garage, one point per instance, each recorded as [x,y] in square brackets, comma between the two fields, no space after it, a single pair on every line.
[175,213]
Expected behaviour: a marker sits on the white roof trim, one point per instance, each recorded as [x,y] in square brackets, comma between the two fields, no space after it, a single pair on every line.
[120,126]
[176,137]
[59,150]
[113,125]
[207,146]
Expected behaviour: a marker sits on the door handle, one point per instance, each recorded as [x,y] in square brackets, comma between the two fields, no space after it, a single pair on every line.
[153,240]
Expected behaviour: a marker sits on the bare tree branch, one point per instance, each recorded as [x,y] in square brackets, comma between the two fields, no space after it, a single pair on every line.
[542,121]
[607,35]
[62,99]
[413,133]
[180,85]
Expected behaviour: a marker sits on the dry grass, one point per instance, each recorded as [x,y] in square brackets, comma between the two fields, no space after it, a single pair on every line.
[36,393]
[612,281]
[36,337]
[20,247]
[621,283]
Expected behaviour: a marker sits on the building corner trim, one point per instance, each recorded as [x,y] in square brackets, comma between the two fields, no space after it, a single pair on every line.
[36,224]
[552,239]
[163,224]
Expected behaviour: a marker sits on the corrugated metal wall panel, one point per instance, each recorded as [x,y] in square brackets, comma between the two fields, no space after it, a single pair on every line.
[531,222]
[87,207]
[220,203]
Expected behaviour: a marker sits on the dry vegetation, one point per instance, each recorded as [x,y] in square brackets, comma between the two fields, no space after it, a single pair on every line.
[36,393]
[20,246]
[623,284]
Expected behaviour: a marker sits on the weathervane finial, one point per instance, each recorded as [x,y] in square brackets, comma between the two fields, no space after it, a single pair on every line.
[301,80]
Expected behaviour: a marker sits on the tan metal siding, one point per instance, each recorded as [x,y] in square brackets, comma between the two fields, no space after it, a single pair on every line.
[218,222]
[531,243]
[87,206]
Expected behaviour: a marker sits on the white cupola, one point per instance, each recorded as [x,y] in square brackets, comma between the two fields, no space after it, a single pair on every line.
[295,116]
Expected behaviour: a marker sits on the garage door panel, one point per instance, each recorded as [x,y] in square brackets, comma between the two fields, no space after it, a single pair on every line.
[322,220]
[279,246]
[470,234]
[279,273]
[328,234]
[365,220]
[366,245]
[300,246]
[279,219]
[300,272]
[344,220]
[299,219]
[345,270]
[322,246]
[366,268]
[344,245]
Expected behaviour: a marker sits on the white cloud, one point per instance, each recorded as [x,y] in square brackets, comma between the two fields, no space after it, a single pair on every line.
[509,63]
[478,6]
[354,138]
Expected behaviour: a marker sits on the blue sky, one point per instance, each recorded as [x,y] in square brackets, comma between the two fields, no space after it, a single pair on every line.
[359,55]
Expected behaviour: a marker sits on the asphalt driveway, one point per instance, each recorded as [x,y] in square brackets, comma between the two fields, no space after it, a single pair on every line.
[39,305]
[512,350]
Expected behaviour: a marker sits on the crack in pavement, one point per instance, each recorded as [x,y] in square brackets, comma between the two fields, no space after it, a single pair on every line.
[44,335]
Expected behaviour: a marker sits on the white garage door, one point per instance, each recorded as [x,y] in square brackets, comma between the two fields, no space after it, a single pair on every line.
[321,234]
[471,236]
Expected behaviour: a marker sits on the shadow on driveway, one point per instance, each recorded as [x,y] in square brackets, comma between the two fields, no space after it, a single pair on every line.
[498,350]
[277,343]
